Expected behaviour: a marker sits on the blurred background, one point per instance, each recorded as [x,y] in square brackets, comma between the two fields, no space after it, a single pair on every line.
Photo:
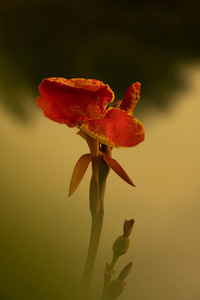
[43,234]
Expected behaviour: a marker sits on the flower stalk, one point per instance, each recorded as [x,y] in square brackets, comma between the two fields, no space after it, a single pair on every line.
[100,172]
[96,228]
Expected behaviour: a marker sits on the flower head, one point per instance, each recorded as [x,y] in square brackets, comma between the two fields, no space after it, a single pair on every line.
[83,103]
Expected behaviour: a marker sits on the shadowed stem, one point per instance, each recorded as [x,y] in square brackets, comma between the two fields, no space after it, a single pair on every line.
[97,222]
[100,171]
[107,280]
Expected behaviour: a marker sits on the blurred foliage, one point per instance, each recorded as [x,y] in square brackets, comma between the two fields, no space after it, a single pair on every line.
[116,41]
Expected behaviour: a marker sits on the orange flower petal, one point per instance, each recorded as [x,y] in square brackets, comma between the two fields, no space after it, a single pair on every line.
[115,166]
[131,98]
[117,129]
[79,171]
[75,100]
[56,111]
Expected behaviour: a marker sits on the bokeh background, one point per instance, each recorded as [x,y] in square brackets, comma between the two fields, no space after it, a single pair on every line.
[43,234]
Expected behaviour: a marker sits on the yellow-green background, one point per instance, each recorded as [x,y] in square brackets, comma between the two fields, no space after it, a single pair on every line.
[43,234]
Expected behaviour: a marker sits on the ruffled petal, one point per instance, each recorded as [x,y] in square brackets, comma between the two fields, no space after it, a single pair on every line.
[57,112]
[74,101]
[117,129]
[131,98]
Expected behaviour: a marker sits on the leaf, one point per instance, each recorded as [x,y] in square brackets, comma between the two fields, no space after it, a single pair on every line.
[79,171]
[115,166]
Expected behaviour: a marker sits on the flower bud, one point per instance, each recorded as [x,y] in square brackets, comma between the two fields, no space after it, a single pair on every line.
[124,273]
[114,289]
[128,226]
[121,245]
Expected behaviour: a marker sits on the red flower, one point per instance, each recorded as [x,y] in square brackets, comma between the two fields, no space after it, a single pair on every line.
[83,103]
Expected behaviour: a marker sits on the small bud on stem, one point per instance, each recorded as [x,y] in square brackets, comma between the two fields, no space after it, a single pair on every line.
[128,226]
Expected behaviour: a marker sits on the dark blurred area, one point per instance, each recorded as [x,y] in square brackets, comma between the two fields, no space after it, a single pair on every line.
[116,41]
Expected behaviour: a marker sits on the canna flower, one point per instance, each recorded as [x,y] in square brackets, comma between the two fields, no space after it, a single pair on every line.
[83,103]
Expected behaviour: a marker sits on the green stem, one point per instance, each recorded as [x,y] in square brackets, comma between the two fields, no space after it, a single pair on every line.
[97,222]
[100,172]
[97,191]
[106,281]
[103,296]
[113,262]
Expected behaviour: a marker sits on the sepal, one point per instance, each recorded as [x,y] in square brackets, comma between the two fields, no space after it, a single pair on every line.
[79,171]
[115,166]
